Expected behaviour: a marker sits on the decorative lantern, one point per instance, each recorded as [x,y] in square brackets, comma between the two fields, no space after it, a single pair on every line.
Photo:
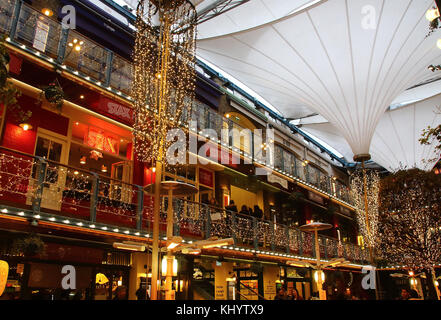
[4,270]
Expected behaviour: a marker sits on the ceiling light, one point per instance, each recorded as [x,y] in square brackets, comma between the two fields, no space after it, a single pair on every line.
[194,251]
[83,160]
[47,12]
[131,246]
[432,14]
[25,126]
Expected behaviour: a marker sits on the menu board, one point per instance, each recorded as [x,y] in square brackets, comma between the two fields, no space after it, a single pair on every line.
[41,35]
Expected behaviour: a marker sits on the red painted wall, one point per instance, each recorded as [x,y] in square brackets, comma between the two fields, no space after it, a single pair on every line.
[14,137]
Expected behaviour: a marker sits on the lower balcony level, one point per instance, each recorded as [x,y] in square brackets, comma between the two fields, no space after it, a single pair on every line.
[56,195]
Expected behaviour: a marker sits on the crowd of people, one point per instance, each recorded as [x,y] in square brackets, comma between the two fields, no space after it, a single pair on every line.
[245,210]
[290,294]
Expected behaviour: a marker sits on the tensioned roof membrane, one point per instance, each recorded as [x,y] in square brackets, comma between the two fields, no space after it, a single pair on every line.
[344,59]
[395,142]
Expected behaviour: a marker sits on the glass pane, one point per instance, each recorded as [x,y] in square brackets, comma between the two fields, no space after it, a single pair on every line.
[55,151]
[42,149]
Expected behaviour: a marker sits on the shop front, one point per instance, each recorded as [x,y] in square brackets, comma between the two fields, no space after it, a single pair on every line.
[63,271]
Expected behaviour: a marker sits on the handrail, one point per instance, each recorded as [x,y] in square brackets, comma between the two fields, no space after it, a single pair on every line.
[252,290]
[90,199]
[65,165]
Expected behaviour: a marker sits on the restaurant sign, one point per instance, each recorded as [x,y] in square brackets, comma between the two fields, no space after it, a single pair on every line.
[275,179]
[101,140]
[116,110]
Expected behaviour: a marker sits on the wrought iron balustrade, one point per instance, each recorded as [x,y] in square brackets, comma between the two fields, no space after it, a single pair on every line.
[43,186]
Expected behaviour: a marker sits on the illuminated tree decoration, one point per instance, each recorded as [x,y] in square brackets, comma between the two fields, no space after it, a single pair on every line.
[367,221]
[410,220]
[164,74]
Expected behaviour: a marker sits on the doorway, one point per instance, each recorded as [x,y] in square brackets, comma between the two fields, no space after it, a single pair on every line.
[54,150]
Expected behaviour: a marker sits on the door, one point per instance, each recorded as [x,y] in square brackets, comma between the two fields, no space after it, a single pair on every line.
[55,150]
[205,196]
[120,189]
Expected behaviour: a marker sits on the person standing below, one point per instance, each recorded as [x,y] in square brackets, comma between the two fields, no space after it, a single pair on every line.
[281,295]
[142,294]
[405,295]
[296,295]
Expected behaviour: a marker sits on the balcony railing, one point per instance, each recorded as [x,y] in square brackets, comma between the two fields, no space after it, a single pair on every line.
[41,189]
[45,36]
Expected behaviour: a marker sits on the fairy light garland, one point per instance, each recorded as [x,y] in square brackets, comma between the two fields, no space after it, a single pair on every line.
[410,216]
[163,72]
[368,227]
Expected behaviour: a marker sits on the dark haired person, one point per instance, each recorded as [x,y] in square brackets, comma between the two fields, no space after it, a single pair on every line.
[232,207]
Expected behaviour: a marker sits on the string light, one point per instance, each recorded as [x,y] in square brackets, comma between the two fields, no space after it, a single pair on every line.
[410,215]
[368,226]
[163,72]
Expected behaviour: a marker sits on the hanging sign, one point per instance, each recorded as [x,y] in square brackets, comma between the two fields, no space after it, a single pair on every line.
[275,179]
[116,110]
[98,139]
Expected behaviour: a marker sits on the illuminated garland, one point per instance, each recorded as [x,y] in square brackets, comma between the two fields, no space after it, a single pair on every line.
[410,217]
[163,72]
[368,226]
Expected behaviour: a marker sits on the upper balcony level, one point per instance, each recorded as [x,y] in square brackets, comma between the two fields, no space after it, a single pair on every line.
[70,52]
[48,193]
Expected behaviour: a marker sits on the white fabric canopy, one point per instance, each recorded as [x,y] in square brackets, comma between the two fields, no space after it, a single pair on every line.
[344,59]
[249,15]
[395,142]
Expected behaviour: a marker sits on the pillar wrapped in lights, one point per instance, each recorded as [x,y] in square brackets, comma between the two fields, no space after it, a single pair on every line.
[163,86]
[364,191]
[164,74]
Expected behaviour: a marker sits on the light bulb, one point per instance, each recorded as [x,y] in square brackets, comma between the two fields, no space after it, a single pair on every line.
[432,14]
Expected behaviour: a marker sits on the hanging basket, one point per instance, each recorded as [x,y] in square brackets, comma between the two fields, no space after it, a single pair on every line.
[54,95]
[29,246]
